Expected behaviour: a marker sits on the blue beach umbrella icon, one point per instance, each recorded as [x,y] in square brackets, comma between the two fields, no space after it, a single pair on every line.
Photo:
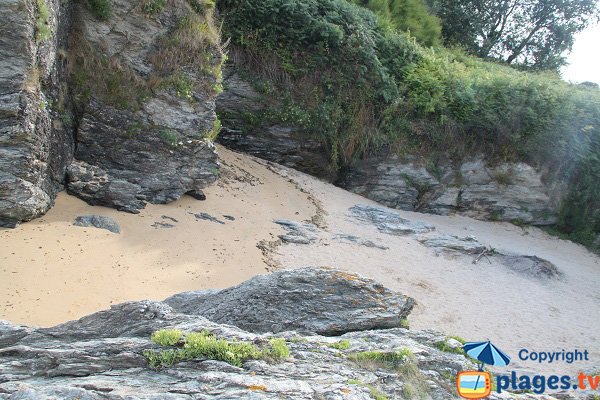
[486,353]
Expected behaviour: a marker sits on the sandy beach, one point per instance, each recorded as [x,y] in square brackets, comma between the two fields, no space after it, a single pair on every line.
[52,271]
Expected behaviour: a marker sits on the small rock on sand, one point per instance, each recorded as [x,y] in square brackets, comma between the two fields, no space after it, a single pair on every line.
[98,221]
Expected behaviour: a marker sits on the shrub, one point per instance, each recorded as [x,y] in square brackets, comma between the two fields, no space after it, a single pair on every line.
[340,345]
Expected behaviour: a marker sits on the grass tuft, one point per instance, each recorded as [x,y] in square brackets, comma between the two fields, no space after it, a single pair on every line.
[340,345]
[43,31]
[153,7]
[203,344]
[166,337]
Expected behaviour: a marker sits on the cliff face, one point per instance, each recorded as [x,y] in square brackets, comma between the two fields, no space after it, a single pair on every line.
[514,192]
[120,103]
[36,142]
[145,81]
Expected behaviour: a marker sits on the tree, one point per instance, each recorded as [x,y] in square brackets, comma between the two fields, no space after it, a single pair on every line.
[529,33]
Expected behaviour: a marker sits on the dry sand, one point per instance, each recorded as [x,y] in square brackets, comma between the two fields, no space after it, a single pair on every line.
[483,301]
[51,271]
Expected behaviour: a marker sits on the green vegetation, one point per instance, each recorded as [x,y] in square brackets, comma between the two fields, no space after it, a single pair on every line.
[444,346]
[359,86]
[343,344]
[169,137]
[205,345]
[153,7]
[393,358]
[43,31]
[407,15]
[532,34]
[214,132]
[102,9]
[167,337]
[404,323]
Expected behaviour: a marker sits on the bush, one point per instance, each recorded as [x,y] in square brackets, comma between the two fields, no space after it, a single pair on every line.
[166,337]
[360,86]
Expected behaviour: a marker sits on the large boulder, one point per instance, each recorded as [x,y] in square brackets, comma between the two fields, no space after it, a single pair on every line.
[36,142]
[145,79]
[320,300]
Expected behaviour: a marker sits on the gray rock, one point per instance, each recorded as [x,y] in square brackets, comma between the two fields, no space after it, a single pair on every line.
[530,265]
[466,245]
[352,239]
[160,224]
[150,147]
[506,192]
[297,232]
[320,300]
[388,221]
[101,356]
[98,221]
[207,217]
[36,144]
[197,194]
[241,109]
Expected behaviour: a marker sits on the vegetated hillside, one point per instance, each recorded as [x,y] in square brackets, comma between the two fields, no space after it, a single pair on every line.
[359,85]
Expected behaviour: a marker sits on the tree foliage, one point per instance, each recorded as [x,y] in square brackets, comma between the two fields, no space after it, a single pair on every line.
[530,33]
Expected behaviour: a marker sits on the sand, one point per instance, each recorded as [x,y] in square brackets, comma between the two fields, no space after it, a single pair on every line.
[52,271]
[512,310]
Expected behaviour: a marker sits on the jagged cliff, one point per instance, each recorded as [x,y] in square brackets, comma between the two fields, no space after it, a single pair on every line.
[115,104]
[36,145]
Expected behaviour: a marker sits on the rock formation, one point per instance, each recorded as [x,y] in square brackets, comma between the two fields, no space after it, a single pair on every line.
[247,128]
[146,80]
[103,355]
[36,142]
[512,192]
[128,92]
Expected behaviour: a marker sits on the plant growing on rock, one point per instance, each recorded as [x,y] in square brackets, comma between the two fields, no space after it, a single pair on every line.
[203,344]
[42,27]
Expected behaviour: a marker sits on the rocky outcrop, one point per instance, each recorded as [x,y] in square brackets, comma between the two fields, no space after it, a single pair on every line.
[390,222]
[36,142]
[248,127]
[146,81]
[506,192]
[103,355]
[128,92]
[320,300]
